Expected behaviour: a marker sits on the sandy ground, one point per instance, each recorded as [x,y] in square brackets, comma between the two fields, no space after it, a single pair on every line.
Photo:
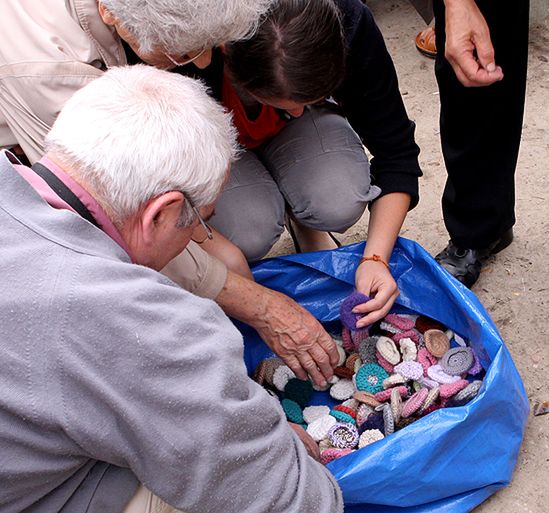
[514,286]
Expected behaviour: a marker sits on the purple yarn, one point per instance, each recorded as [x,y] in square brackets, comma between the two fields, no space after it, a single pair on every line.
[348,318]
[476,368]
[374,421]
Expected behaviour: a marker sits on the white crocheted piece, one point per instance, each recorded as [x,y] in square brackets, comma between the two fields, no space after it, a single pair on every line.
[311,413]
[281,376]
[334,379]
[343,390]
[408,349]
[428,383]
[319,428]
[394,379]
[369,437]
[388,350]
[410,370]
[363,412]
[342,356]
[337,339]
[385,326]
[450,334]
[436,373]
[459,340]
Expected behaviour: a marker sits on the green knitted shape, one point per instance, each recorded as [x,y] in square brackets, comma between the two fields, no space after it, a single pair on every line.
[342,416]
[299,391]
[369,378]
[292,410]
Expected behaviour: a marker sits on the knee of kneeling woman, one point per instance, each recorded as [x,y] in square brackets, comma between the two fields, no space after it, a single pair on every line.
[334,216]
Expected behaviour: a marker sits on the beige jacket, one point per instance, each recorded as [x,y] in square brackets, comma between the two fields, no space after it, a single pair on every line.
[48,50]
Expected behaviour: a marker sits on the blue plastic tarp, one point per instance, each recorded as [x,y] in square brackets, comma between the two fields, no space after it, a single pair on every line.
[452,459]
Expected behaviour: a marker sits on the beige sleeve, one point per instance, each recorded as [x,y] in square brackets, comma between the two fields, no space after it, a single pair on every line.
[197,271]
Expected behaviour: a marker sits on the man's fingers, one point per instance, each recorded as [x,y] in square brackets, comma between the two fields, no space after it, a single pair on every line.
[310,367]
[470,72]
[296,367]
[327,343]
[485,51]
[322,361]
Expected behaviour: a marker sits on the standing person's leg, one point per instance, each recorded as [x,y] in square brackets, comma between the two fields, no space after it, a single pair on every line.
[480,133]
[250,210]
[321,168]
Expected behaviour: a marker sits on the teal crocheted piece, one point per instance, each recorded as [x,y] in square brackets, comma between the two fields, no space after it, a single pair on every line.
[292,410]
[299,391]
[342,416]
[369,378]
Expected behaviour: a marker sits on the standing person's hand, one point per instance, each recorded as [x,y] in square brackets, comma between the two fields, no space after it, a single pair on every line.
[468,45]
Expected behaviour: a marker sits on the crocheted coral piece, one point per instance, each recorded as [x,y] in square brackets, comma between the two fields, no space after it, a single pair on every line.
[476,368]
[343,435]
[428,382]
[311,413]
[292,410]
[298,391]
[351,361]
[403,422]
[319,428]
[342,417]
[385,395]
[430,399]
[396,404]
[345,409]
[435,372]
[388,327]
[344,372]
[388,419]
[370,436]
[451,389]
[332,381]
[348,318]
[400,322]
[387,348]
[329,455]
[414,403]
[367,350]
[342,355]
[259,373]
[410,370]
[342,390]
[408,350]
[424,323]
[388,367]
[269,367]
[325,444]
[426,359]
[411,334]
[366,398]
[281,376]
[351,403]
[348,343]
[374,421]
[393,380]
[359,335]
[364,411]
[436,342]
[369,378]
[457,361]
[468,393]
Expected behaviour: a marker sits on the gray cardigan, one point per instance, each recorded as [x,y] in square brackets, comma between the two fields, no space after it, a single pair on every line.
[111,374]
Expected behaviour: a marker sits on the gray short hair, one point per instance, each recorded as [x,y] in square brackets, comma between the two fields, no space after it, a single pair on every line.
[138,132]
[180,26]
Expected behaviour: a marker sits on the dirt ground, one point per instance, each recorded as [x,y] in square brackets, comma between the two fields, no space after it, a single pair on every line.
[514,286]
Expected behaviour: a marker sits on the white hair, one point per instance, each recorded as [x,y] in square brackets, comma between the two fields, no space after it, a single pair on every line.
[180,26]
[137,132]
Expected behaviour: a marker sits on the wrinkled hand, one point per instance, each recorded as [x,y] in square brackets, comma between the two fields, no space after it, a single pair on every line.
[375,280]
[308,442]
[298,338]
[467,32]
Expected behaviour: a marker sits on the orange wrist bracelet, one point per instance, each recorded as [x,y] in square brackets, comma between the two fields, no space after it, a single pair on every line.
[375,258]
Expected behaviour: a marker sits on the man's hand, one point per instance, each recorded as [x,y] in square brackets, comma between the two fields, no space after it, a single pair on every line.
[374,279]
[308,442]
[466,33]
[286,327]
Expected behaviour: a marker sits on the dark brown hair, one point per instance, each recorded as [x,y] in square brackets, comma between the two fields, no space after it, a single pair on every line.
[298,52]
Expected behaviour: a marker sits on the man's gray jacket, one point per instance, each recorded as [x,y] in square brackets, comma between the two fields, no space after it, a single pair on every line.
[111,374]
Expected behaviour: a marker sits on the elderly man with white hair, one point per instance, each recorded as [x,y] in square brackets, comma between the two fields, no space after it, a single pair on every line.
[121,391]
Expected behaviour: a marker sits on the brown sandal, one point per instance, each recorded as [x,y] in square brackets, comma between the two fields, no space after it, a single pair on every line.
[425,42]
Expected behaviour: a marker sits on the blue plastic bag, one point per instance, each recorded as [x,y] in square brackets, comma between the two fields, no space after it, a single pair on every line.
[452,459]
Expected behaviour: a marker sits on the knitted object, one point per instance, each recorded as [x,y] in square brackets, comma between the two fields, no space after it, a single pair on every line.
[311,413]
[369,378]
[435,372]
[388,419]
[403,422]
[342,356]
[385,326]
[414,403]
[292,410]
[431,409]
[269,366]
[388,367]
[366,398]
[345,409]
[457,361]
[393,380]
[352,360]
[342,390]
[326,444]
[298,391]
[436,342]
[343,435]
[430,399]
[476,368]
[411,334]
[385,395]
[396,405]
[364,411]
[374,421]
[426,323]
[328,455]
[408,350]
[358,336]
[410,370]
[351,403]
[367,350]
[332,381]
[426,359]
[451,389]
[400,322]
[428,382]
[342,417]
[387,348]
[468,393]
[348,343]
[344,372]
[369,437]
[348,318]
[281,376]
[319,428]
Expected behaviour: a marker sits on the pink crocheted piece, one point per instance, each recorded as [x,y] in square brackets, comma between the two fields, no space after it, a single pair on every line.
[358,336]
[384,363]
[426,359]
[414,403]
[348,343]
[413,334]
[328,455]
[476,368]
[432,408]
[385,395]
[402,323]
[451,389]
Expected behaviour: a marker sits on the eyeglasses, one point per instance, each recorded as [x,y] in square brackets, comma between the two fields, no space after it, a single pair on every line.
[187,61]
[204,224]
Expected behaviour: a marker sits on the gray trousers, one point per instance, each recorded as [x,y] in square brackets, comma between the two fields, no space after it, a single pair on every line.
[315,167]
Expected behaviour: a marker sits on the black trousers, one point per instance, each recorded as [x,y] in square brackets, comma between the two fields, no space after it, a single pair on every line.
[480,129]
